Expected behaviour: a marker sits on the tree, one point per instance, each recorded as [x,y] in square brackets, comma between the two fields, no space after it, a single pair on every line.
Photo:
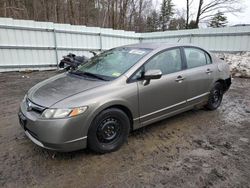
[167,11]
[207,8]
[177,24]
[187,16]
[137,15]
[219,20]
[153,22]
[141,9]
[188,6]
[192,24]
[178,21]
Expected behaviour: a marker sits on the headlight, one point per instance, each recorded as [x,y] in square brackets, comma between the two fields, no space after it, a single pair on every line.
[62,113]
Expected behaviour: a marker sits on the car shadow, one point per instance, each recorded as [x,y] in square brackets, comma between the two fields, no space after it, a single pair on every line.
[86,153]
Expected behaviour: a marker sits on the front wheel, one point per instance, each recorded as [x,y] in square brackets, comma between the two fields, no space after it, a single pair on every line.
[108,131]
[215,97]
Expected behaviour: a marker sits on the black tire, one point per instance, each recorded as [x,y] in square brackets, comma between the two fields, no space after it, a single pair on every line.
[108,131]
[215,97]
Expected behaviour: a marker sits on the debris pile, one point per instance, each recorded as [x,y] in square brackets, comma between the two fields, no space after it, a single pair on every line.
[239,63]
[71,61]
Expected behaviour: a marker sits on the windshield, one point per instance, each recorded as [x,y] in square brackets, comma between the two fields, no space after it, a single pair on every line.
[112,63]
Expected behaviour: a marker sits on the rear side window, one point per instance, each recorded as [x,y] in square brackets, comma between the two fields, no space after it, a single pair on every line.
[195,57]
[168,62]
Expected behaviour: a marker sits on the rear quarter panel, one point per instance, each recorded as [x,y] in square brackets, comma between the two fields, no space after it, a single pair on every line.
[221,69]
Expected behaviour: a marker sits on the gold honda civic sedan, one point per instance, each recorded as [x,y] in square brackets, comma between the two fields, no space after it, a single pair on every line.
[122,89]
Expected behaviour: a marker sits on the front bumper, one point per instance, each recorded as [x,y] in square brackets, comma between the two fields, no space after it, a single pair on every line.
[64,135]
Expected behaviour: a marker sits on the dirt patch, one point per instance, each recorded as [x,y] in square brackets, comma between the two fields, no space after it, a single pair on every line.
[197,148]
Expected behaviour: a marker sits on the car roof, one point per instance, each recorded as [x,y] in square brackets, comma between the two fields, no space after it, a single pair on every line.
[157,45]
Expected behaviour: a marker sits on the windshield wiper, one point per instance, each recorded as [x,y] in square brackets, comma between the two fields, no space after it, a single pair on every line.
[76,72]
[80,73]
[94,75]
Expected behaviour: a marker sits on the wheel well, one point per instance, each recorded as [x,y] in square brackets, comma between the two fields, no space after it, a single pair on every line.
[127,112]
[225,84]
[222,82]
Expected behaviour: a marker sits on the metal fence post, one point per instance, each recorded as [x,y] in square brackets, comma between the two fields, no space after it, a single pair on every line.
[100,40]
[140,39]
[55,47]
[190,38]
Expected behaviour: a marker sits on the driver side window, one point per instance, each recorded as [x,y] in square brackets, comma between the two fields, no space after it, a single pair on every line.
[168,62]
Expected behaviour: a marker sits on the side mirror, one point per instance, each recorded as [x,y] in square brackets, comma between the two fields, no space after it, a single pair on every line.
[151,74]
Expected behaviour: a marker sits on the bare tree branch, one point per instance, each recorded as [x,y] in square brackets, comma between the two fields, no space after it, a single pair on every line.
[206,10]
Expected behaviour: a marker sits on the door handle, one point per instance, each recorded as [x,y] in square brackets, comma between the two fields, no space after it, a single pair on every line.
[179,79]
[208,71]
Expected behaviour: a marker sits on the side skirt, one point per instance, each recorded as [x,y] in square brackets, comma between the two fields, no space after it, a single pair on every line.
[138,124]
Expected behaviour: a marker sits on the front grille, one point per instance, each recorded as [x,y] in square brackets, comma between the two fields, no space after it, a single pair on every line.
[34,107]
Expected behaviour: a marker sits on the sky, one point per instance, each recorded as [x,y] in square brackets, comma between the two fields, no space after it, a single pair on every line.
[240,18]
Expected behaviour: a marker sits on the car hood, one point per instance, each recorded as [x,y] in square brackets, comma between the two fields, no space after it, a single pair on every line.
[59,87]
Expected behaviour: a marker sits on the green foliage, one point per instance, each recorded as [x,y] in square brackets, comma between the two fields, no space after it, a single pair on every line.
[136,15]
[167,11]
[153,22]
[219,20]
[177,24]
[192,25]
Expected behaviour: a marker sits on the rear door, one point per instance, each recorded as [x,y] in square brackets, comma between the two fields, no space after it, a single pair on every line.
[164,95]
[199,74]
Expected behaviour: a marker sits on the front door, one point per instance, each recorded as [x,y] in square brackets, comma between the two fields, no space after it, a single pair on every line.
[164,95]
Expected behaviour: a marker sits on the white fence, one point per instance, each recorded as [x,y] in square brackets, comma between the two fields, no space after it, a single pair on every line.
[227,39]
[40,45]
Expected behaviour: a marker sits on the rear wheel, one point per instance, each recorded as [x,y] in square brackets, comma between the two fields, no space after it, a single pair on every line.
[108,131]
[215,97]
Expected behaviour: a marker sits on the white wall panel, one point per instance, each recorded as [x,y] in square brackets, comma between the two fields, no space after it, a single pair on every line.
[228,39]
[38,45]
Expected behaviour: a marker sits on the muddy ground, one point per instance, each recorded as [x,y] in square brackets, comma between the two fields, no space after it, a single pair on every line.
[198,148]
